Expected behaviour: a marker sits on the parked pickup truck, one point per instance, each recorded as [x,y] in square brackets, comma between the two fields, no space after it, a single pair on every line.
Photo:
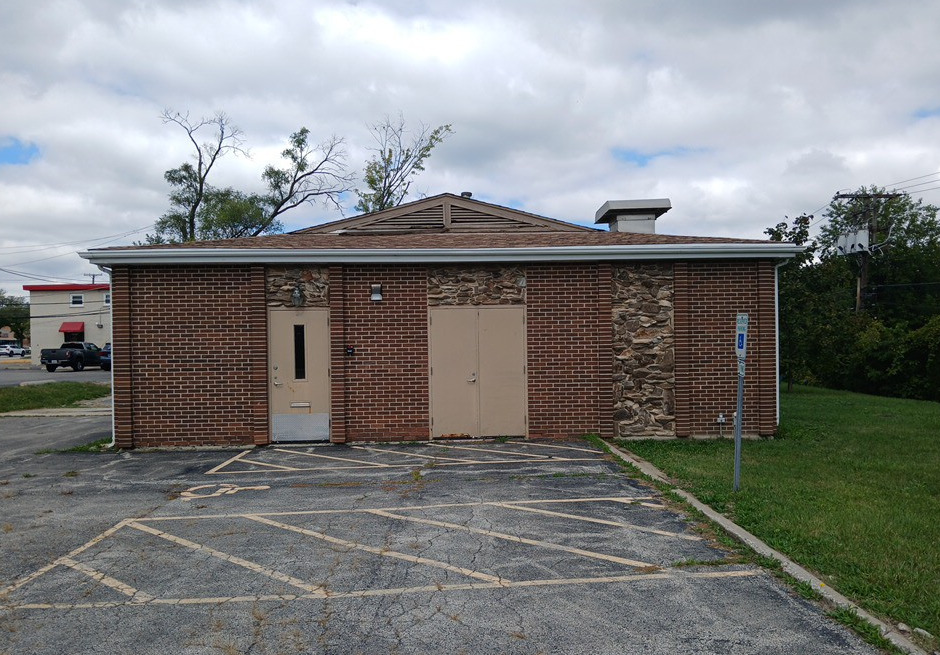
[74,354]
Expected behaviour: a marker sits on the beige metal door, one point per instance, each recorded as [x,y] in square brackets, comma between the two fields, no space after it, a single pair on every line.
[298,354]
[478,371]
[502,387]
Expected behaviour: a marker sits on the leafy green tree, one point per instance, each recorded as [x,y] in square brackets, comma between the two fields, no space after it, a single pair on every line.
[397,158]
[888,347]
[230,214]
[903,269]
[795,297]
[14,313]
[189,181]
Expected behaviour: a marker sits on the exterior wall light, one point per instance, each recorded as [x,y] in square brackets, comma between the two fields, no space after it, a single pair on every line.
[296,297]
[376,293]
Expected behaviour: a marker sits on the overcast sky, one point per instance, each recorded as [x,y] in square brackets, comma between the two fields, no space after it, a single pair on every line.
[740,112]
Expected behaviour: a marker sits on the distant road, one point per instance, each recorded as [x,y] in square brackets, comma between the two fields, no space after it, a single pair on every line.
[13,371]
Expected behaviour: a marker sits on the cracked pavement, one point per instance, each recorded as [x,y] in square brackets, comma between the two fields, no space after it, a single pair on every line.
[458,547]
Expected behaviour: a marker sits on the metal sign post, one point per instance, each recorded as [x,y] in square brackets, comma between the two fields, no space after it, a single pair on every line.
[740,347]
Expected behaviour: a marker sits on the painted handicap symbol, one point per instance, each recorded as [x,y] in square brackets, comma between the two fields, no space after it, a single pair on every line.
[223,489]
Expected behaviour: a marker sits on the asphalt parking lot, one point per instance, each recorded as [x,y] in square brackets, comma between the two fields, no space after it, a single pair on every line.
[460,547]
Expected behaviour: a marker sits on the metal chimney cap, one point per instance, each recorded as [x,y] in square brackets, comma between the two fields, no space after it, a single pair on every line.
[613,208]
[466,194]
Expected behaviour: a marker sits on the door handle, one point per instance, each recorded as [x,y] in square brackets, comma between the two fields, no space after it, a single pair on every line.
[472,378]
[278,384]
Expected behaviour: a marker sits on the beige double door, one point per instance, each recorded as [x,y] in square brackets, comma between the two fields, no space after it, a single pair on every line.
[478,376]
[299,374]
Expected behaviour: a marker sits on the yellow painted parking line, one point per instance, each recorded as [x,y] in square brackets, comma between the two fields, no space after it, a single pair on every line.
[135,594]
[366,593]
[399,452]
[591,519]
[478,449]
[279,467]
[339,459]
[510,537]
[398,508]
[384,552]
[627,501]
[398,466]
[78,551]
[534,444]
[251,566]
[228,461]
[636,577]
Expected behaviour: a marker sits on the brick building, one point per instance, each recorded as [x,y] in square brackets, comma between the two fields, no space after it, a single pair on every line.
[68,312]
[442,317]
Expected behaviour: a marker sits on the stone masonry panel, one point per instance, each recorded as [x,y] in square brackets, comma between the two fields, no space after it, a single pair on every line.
[314,284]
[494,285]
[644,350]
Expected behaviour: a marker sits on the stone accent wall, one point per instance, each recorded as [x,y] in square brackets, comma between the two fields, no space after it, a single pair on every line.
[282,280]
[644,350]
[492,285]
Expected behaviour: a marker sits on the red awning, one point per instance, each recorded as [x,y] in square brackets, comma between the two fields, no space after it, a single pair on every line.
[73,326]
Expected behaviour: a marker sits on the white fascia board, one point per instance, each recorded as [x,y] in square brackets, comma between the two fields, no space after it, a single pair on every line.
[441,255]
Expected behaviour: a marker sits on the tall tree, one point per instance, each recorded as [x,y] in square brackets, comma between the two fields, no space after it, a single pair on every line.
[398,157]
[902,277]
[230,214]
[14,313]
[890,346]
[200,211]
[189,181]
[795,296]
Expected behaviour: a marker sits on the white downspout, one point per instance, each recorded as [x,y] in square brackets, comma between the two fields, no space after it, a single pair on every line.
[107,270]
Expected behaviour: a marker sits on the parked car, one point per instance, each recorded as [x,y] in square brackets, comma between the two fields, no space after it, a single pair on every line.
[106,357]
[74,354]
[13,351]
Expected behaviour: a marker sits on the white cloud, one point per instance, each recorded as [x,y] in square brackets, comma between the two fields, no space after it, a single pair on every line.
[756,110]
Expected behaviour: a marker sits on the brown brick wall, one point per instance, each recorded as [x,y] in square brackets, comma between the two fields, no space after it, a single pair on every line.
[569,334]
[195,376]
[386,385]
[122,357]
[708,297]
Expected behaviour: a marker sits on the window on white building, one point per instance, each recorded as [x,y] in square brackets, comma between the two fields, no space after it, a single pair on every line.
[107,299]
[77,300]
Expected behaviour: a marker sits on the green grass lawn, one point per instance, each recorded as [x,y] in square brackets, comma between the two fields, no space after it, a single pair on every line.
[850,489]
[57,394]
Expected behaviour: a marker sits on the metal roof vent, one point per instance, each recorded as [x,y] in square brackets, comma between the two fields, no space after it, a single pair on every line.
[637,216]
[466,194]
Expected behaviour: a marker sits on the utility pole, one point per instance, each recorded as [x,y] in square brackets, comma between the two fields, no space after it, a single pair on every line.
[864,254]
[92,276]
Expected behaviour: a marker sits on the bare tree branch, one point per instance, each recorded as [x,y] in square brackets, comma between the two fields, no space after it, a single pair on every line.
[191,181]
[315,173]
[388,175]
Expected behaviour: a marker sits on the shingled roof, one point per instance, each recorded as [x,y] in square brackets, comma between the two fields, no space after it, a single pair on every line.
[444,228]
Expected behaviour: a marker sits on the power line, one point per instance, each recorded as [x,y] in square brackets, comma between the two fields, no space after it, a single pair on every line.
[48,246]
[38,277]
[919,177]
[912,186]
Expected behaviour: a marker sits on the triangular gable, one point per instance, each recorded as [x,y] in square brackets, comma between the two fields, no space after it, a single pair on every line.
[445,213]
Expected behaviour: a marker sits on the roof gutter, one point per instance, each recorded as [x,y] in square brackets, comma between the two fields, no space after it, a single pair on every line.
[442,255]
